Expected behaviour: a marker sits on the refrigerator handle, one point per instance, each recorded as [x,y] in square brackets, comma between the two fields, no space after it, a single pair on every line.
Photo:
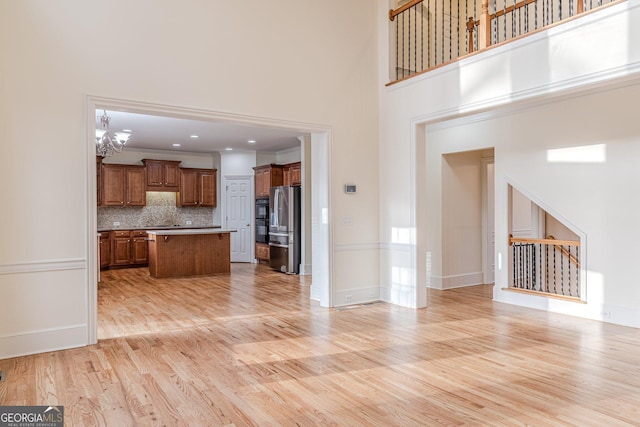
[291,229]
[276,200]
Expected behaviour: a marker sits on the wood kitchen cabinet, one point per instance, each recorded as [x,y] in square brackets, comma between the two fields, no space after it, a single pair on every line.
[162,175]
[292,174]
[139,247]
[198,188]
[129,247]
[105,250]
[262,252]
[98,180]
[123,185]
[267,176]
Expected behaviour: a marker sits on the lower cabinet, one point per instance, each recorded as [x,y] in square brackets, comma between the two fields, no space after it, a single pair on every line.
[105,250]
[262,252]
[129,247]
[140,248]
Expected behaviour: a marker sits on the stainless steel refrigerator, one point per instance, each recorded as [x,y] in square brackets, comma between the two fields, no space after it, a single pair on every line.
[284,229]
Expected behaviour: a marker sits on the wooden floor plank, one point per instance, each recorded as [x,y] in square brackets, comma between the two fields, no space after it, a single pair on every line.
[250,348]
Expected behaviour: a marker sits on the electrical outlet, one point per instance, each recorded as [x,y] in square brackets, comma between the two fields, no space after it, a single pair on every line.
[348,298]
[2,376]
[606,314]
[116,224]
[189,222]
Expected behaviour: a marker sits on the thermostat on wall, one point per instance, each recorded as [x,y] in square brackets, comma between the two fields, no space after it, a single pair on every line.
[349,188]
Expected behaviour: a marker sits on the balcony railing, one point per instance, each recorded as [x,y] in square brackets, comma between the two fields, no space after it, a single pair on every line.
[429,33]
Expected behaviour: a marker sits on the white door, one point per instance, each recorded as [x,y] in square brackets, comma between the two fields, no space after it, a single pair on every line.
[239,216]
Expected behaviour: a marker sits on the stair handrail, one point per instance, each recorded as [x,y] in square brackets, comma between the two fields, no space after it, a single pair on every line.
[563,250]
[395,12]
[550,240]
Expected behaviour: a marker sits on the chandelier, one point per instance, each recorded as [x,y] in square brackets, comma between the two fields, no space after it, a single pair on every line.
[106,144]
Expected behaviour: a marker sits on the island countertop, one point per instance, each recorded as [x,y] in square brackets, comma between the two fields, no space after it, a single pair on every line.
[186,232]
[158,227]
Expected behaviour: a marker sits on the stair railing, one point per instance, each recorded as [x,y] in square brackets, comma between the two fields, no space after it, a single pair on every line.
[547,267]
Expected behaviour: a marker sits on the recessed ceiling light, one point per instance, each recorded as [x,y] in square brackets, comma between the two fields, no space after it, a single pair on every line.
[251,141]
[229,149]
[194,136]
[126,130]
[176,145]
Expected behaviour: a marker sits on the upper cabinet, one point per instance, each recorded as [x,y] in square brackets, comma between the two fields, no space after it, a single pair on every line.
[292,174]
[123,185]
[162,175]
[198,187]
[267,176]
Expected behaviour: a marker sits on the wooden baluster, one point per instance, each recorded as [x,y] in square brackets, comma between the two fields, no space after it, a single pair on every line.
[484,31]
[470,24]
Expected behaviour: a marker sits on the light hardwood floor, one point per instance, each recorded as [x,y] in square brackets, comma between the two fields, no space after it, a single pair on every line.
[251,349]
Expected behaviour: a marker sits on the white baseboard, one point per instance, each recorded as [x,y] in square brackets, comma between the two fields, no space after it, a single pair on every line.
[357,296]
[456,281]
[305,269]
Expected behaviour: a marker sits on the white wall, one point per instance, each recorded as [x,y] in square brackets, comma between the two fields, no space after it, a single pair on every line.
[564,87]
[291,155]
[132,156]
[237,163]
[263,158]
[558,230]
[56,57]
[524,216]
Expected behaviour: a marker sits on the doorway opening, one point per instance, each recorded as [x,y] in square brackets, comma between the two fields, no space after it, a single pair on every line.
[320,140]
[468,230]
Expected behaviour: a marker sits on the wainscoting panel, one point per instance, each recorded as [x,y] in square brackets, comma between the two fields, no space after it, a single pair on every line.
[357,266]
[47,309]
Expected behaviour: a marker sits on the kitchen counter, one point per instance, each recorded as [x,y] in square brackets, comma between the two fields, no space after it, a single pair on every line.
[183,232]
[189,252]
[160,227]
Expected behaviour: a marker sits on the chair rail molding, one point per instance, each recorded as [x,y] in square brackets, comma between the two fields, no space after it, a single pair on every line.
[44,265]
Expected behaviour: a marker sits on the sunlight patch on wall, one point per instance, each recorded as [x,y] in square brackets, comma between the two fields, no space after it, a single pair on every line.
[402,235]
[400,276]
[583,154]
[595,281]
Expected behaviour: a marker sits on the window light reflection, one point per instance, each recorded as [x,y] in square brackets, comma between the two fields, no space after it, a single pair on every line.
[583,154]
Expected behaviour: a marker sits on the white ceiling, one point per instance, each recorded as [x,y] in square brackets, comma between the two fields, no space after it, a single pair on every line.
[160,133]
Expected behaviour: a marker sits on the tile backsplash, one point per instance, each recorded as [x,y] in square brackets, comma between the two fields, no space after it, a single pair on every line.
[161,209]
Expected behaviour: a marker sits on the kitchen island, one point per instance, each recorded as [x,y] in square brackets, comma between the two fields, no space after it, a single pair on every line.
[193,252]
